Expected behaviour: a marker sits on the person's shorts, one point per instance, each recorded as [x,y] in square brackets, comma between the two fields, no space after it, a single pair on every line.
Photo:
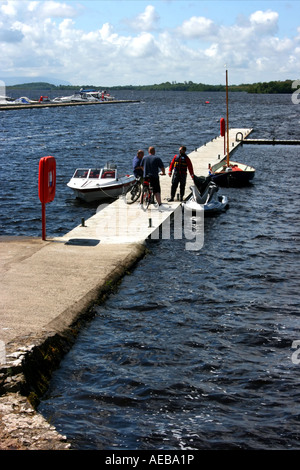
[154,183]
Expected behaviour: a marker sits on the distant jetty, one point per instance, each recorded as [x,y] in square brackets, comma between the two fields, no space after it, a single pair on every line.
[7,107]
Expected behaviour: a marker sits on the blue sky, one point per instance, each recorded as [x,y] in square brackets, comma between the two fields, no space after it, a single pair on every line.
[172,12]
[137,42]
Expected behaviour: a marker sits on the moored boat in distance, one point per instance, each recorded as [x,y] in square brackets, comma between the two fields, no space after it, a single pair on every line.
[226,172]
[100,95]
[5,99]
[232,173]
[76,97]
[96,184]
[85,96]
[22,100]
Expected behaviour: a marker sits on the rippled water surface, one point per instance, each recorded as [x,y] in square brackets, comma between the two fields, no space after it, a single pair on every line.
[194,350]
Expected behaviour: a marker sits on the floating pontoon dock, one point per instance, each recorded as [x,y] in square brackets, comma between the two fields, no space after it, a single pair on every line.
[270,142]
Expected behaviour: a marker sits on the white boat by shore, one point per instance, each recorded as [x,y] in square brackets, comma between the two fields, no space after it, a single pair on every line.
[84,96]
[100,95]
[96,184]
[5,99]
[21,100]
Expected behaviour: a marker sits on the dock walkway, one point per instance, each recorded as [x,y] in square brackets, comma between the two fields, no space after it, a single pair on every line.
[48,287]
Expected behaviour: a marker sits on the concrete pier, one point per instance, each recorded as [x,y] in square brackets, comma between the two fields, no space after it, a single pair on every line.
[48,289]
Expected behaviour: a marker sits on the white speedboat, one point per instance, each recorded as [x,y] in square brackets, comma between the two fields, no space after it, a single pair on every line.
[77,97]
[204,197]
[5,99]
[96,184]
[100,95]
[23,100]
[85,96]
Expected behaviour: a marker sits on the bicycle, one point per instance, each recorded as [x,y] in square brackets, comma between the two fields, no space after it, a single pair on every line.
[147,194]
[134,192]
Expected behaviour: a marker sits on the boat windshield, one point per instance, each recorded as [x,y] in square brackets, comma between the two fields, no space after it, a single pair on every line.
[94,173]
[81,173]
[108,174]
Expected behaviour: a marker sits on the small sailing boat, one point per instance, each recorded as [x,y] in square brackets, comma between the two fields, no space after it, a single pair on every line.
[227,172]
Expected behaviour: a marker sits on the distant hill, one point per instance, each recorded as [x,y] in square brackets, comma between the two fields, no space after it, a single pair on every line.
[36,86]
[12,81]
[261,87]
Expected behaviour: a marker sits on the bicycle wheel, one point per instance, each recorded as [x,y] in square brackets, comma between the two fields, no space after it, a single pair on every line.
[146,197]
[133,193]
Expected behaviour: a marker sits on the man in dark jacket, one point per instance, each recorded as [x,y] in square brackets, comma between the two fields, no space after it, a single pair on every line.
[180,164]
[152,164]
[136,163]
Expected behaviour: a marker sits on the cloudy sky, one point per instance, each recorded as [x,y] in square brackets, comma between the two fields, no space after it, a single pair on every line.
[137,42]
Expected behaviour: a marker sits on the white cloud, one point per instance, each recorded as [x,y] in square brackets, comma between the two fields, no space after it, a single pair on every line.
[40,38]
[145,21]
[143,45]
[265,21]
[198,27]
[52,9]
[212,51]
[9,8]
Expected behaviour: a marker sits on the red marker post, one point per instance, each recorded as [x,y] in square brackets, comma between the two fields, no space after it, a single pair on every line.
[47,184]
[222,130]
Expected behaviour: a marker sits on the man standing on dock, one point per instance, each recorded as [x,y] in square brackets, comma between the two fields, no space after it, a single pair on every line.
[180,163]
[152,164]
[137,167]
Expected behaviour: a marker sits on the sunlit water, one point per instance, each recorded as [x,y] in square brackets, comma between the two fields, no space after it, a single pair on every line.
[194,350]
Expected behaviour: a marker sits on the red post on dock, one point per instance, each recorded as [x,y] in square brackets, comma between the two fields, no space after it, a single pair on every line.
[222,130]
[47,185]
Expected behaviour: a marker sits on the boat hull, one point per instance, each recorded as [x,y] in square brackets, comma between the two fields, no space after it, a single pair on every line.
[94,193]
[241,177]
[215,206]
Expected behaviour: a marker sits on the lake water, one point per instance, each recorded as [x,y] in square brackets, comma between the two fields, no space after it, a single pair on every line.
[196,349]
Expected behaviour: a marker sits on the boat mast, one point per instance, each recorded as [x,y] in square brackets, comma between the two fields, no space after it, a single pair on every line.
[227,120]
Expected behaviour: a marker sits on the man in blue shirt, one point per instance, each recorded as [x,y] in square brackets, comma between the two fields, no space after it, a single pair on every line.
[136,164]
[152,164]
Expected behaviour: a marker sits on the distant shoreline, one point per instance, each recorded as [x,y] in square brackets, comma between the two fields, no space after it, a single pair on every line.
[277,87]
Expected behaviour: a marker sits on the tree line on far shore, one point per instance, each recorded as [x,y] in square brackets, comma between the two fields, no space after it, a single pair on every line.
[260,87]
